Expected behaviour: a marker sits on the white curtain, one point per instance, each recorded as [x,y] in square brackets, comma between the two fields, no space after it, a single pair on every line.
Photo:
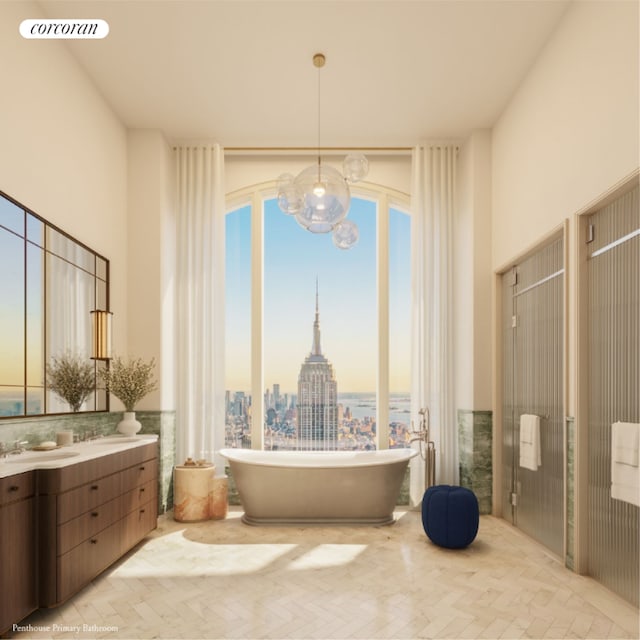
[432,217]
[200,300]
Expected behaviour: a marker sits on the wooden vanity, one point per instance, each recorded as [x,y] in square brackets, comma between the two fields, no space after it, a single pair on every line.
[61,526]
[18,597]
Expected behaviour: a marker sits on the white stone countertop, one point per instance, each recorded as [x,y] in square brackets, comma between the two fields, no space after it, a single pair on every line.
[14,464]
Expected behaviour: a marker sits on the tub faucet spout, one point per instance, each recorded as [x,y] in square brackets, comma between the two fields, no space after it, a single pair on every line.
[427,446]
[423,432]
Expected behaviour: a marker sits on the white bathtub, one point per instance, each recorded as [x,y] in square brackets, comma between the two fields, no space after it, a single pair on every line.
[318,487]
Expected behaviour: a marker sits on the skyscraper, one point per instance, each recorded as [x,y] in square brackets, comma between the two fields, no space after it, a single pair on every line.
[317,397]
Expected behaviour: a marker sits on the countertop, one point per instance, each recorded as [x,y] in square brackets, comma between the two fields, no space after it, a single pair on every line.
[59,457]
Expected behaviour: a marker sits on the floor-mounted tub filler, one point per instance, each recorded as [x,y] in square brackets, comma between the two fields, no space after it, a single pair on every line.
[318,487]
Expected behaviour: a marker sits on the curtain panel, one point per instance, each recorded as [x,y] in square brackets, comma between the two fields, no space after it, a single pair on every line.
[200,238]
[432,209]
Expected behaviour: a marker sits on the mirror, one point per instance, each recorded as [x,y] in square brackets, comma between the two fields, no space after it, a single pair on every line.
[50,284]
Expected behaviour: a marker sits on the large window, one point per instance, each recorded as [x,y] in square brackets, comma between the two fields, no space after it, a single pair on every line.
[317,338]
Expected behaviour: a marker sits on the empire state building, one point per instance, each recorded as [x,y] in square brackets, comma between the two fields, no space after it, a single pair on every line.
[317,398]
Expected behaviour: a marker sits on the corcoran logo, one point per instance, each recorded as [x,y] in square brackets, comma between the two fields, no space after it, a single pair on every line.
[64,29]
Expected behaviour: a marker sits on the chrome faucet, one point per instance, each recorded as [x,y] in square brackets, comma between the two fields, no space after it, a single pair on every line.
[18,447]
[427,446]
[422,434]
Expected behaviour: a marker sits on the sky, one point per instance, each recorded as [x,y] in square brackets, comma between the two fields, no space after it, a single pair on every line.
[293,259]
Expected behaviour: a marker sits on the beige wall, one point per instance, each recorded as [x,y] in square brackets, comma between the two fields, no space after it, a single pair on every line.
[571,130]
[472,274]
[151,259]
[62,150]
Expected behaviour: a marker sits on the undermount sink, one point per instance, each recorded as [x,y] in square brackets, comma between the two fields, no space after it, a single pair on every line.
[44,456]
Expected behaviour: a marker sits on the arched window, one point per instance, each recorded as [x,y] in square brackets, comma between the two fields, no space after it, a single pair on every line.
[317,338]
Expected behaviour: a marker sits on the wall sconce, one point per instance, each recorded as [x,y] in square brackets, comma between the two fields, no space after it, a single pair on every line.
[101,339]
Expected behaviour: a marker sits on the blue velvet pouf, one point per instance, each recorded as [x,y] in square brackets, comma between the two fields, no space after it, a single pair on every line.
[450,516]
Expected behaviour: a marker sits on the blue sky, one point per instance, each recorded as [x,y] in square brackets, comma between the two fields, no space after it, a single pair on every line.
[293,258]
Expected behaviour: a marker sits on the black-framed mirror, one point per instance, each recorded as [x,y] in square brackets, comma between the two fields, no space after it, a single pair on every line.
[49,284]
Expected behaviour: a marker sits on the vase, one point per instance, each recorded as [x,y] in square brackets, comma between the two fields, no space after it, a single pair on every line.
[129,426]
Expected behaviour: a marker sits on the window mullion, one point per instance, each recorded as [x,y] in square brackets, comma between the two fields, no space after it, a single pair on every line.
[257,324]
[382,419]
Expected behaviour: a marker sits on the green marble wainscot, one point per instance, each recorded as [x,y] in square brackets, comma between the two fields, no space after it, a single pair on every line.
[233,497]
[37,429]
[571,456]
[474,447]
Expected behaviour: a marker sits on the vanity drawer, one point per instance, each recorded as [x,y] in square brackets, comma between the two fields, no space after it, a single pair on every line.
[18,487]
[84,562]
[59,481]
[140,474]
[139,455]
[135,498]
[75,502]
[137,524]
[76,531]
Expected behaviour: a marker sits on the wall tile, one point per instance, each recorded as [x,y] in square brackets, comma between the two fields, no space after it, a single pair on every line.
[474,448]
[571,455]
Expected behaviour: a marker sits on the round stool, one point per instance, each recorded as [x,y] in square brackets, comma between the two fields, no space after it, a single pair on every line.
[450,516]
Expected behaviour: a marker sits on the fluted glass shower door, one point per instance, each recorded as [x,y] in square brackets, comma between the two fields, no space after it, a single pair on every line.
[533,384]
[613,273]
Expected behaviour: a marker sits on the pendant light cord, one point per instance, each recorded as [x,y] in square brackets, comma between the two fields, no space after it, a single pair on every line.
[319,70]
[318,63]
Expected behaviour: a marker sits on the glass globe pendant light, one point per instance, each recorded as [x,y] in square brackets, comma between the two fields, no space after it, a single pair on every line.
[325,198]
[345,234]
[319,196]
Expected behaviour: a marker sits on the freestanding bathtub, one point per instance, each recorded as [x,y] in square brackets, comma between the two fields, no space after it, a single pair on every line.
[318,487]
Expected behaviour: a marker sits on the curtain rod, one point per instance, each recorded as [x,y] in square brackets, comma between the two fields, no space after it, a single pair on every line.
[265,150]
[316,149]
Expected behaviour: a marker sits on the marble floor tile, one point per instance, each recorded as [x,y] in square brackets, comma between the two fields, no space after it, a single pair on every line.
[226,580]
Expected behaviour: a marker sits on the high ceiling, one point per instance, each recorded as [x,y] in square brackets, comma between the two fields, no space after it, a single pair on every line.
[240,72]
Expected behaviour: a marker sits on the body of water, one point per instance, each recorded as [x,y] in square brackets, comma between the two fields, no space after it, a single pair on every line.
[364,404]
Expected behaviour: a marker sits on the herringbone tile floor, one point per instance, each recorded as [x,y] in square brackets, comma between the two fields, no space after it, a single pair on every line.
[223,579]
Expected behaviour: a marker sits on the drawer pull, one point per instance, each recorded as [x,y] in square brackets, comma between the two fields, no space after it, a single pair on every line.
[141,489]
[94,487]
[13,487]
[93,541]
[142,468]
[94,514]
[141,510]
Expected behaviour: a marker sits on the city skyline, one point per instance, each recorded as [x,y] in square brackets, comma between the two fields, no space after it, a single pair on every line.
[293,258]
[356,420]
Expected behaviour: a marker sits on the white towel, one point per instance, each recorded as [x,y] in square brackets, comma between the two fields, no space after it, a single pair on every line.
[625,441]
[625,473]
[530,450]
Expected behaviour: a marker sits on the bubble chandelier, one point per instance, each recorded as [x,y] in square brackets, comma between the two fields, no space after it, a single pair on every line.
[319,197]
